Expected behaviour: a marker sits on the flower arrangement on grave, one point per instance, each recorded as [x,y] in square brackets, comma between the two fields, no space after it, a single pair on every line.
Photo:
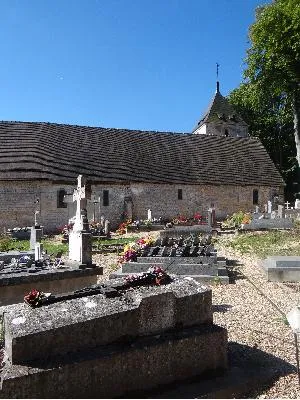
[133,249]
[145,242]
[130,252]
[122,228]
[197,218]
[236,220]
[154,276]
[180,220]
[246,219]
[65,230]
[36,298]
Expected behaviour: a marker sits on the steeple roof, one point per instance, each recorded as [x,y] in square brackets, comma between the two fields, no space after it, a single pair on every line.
[219,110]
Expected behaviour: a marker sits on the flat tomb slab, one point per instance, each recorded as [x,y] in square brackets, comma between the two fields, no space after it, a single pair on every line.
[88,322]
[115,370]
[6,256]
[179,269]
[14,286]
[282,268]
[221,276]
[257,224]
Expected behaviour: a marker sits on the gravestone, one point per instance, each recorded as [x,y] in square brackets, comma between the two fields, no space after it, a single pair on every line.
[297,204]
[182,258]
[102,221]
[282,268]
[92,346]
[17,278]
[149,215]
[269,207]
[281,211]
[106,227]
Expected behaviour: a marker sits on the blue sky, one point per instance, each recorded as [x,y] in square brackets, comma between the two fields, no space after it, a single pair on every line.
[137,64]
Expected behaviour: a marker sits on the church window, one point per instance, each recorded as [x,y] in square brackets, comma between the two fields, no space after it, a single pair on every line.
[60,198]
[179,194]
[105,198]
[255,196]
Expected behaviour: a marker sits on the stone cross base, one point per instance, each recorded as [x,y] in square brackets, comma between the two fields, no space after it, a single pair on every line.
[35,236]
[80,247]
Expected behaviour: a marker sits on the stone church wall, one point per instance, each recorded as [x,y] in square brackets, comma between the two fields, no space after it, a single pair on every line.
[18,201]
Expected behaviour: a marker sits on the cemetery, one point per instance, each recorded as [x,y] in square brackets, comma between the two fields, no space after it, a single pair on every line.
[163,308]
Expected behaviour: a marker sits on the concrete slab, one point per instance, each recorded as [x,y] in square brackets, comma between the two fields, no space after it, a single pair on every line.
[282,268]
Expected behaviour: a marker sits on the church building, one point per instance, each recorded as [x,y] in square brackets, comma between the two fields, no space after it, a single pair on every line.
[216,164]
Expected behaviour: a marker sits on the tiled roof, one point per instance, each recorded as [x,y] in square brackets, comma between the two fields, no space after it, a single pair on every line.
[219,109]
[36,150]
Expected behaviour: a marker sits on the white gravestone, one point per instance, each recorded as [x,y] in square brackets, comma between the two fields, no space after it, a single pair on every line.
[269,207]
[149,215]
[297,204]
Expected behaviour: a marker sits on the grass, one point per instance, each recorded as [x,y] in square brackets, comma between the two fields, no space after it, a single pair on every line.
[269,243]
[53,244]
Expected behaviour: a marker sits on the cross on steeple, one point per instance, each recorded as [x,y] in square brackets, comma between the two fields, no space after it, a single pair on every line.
[218,84]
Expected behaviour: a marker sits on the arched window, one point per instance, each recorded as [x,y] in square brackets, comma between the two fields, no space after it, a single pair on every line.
[255,196]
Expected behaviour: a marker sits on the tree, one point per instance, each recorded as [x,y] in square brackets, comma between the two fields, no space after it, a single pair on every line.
[273,60]
[271,120]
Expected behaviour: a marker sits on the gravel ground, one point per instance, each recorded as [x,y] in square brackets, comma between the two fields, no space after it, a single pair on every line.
[254,316]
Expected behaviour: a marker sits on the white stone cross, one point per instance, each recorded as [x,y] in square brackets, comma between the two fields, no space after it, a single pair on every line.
[35,217]
[80,196]
[287,205]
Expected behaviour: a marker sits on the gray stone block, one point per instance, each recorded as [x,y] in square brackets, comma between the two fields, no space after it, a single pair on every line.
[14,286]
[280,223]
[118,369]
[282,268]
[84,323]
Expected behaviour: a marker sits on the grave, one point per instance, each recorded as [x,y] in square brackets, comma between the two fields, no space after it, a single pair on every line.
[282,268]
[282,218]
[189,257]
[19,272]
[94,346]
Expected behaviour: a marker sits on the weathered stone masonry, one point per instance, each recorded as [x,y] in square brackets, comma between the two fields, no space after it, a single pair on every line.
[18,201]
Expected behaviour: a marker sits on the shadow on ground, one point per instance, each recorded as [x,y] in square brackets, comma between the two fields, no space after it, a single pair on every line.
[250,370]
[221,307]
